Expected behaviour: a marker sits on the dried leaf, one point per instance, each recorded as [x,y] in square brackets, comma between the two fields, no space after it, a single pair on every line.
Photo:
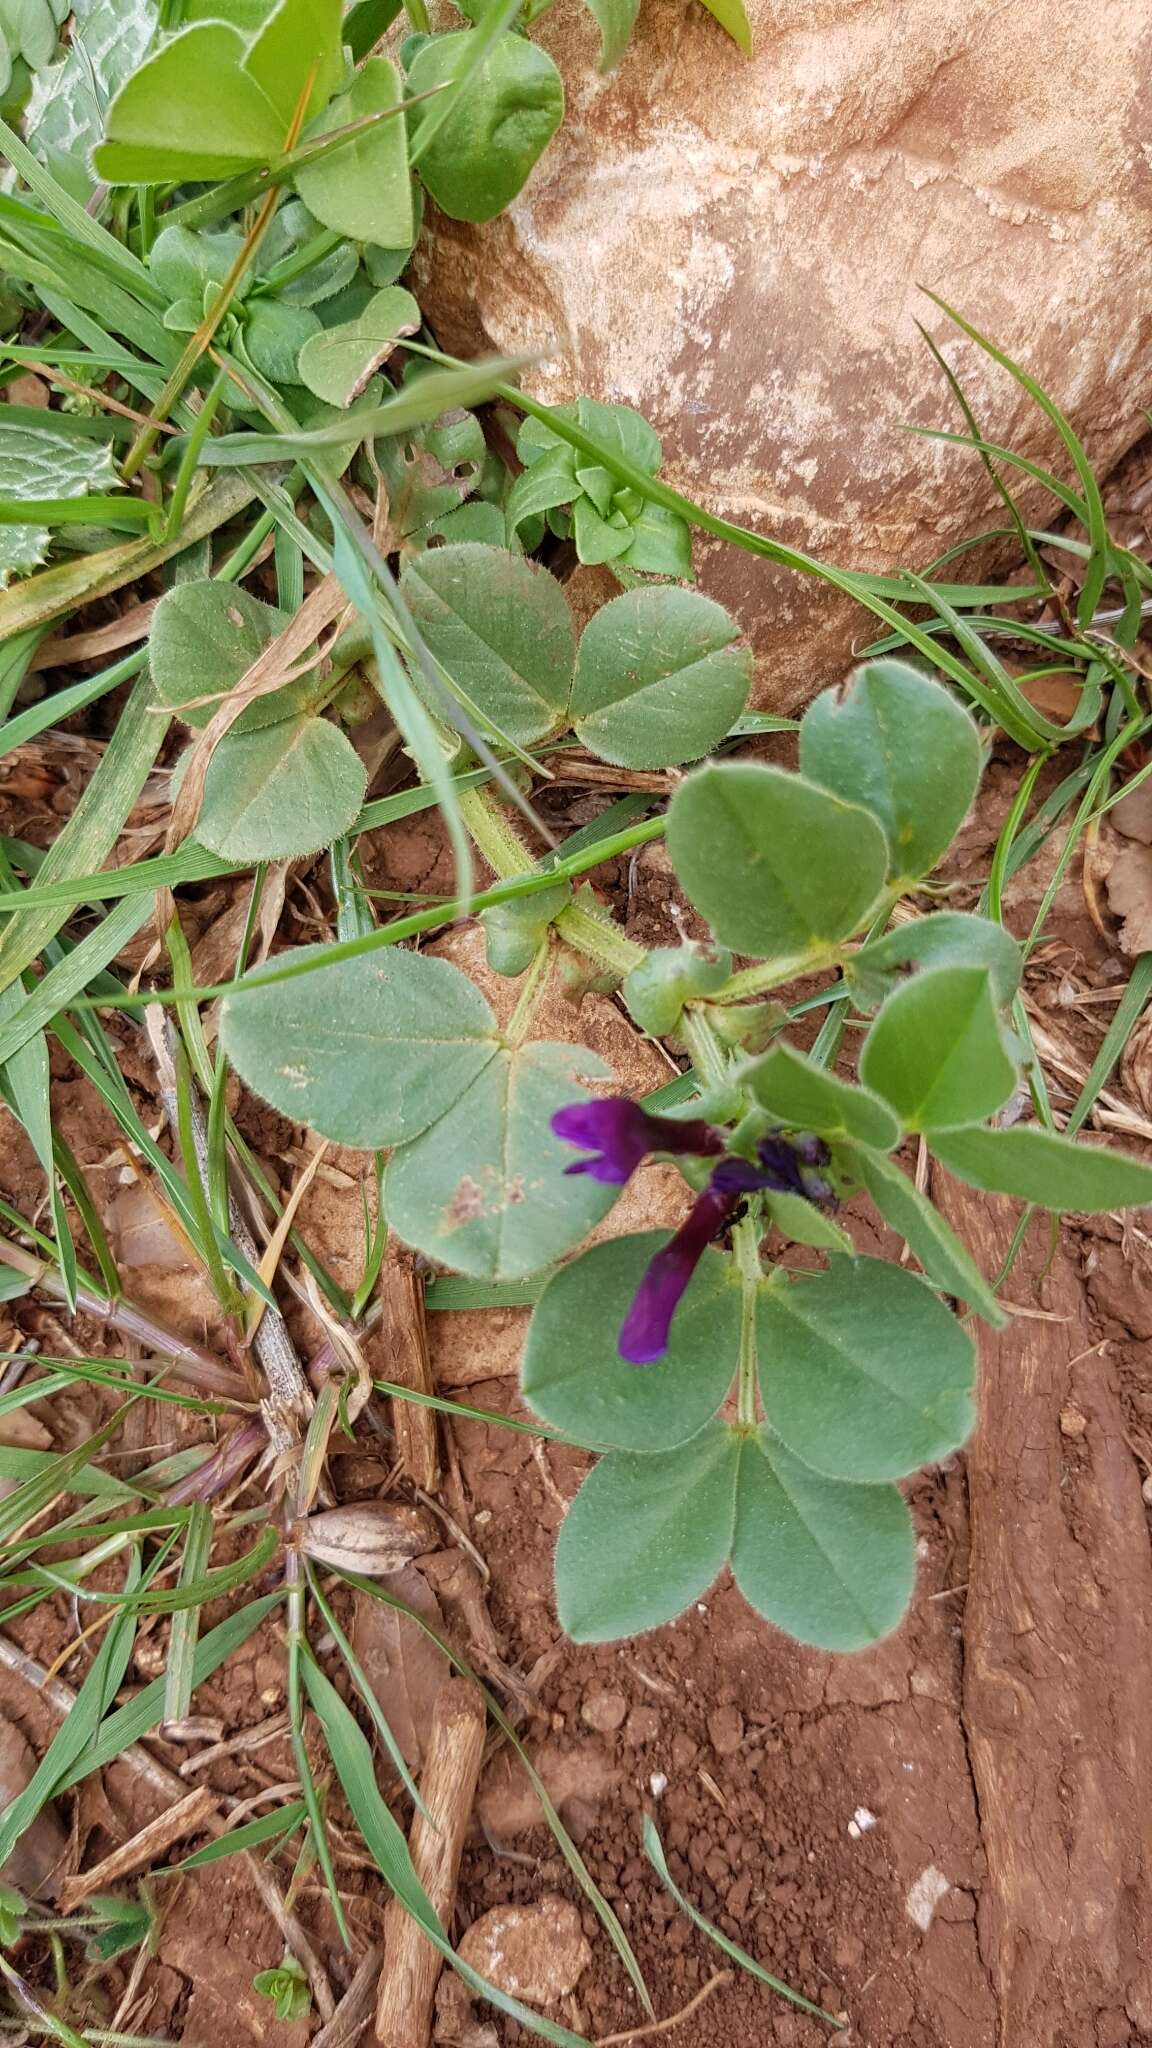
[37,1862]
[1132,815]
[374,1537]
[1129,887]
[403,1666]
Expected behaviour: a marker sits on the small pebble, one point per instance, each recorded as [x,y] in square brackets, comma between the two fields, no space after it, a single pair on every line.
[604,1711]
[658,1784]
[726,1730]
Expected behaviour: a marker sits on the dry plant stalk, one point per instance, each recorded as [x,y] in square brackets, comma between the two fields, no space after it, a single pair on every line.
[198,1809]
[404,1338]
[447,1786]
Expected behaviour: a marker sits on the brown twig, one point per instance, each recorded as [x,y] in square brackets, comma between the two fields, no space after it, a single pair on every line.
[447,1785]
[675,2019]
[195,1811]
[355,2008]
[404,1338]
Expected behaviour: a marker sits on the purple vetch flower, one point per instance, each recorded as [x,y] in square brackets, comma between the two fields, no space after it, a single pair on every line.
[621,1134]
[787,1166]
[645,1329]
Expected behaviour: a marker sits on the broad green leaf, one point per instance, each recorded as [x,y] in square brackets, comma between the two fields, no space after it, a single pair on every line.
[204,636]
[834,1565]
[484,1191]
[273,337]
[778,866]
[507,115]
[802,1222]
[661,543]
[944,1258]
[574,1377]
[945,938]
[297,52]
[936,1051]
[39,463]
[933,1242]
[792,1087]
[501,630]
[863,1371]
[616,20]
[645,1536]
[660,677]
[548,483]
[1037,1166]
[364,188]
[189,111]
[285,790]
[732,17]
[369,1051]
[619,430]
[899,743]
[183,264]
[668,977]
[338,361]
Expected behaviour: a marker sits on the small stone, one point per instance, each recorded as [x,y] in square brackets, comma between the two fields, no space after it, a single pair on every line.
[658,1784]
[726,1730]
[1072,1423]
[683,1751]
[604,1711]
[643,1726]
[536,1953]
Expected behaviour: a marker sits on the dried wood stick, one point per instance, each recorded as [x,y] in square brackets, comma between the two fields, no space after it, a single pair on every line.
[447,1786]
[404,1340]
[195,1811]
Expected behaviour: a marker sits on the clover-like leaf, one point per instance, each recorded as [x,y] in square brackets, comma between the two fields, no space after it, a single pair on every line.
[191,110]
[832,1564]
[484,1190]
[369,1051]
[501,629]
[937,1052]
[945,938]
[1042,1167]
[778,866]
[946,1261]
[863,1371]
[797,1091]
[507,114]
[574,1377]
[338,361]
[284,790]
[364,188]
[204,636]
[899,743]
[646,1536]
[661,675]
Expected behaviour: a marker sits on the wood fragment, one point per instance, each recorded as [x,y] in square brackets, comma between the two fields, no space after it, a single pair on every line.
[447,1786]
[355,2008]
[403,1343]
[195,1811]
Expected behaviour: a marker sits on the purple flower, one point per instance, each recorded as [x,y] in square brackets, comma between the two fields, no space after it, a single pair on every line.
[787,1166]
[621,1135]
[645,1330]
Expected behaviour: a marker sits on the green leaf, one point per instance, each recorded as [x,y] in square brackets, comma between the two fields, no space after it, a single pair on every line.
[548,483]
[484,1190]
[501,629]
[273,337]
[364,188]
[657,988]
[899,743]
[285,790]
[618,429]
[506,116]
[645,1537]
[616,20]
[204,636]
[338,361]
[515,931]
[661,543]
[801,1222]
[936,1051]
[944,1258]
[776,865]
[598,540]
[574,1377]
[189,111]
[945,938]
[369,1051]
[732,17]
[65,114]
[834,1565]
[39,463]
[660,677]
[183,264]
[1038,1166]
[297,51]
[863,1371]
[792,1087]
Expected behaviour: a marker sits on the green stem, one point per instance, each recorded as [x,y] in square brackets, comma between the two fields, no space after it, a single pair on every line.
[598,938]
[746,1240]
[708,1055]
[497,839]
[518,1022]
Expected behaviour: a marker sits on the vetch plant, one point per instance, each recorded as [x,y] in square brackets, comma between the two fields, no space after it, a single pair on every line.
[757,1386]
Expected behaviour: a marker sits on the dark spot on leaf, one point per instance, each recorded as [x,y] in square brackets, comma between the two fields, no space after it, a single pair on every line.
[466,1206]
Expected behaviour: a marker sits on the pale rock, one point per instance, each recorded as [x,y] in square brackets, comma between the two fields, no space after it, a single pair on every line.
[535,1953]
[735,247]
[604,1711]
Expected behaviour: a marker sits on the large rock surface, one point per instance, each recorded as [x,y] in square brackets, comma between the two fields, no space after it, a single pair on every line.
[735,248]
